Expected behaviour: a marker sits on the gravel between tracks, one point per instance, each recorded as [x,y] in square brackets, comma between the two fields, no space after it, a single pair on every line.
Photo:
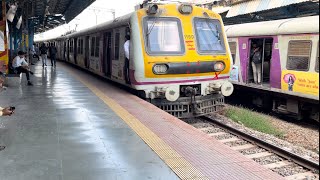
[289,170]
[293,140]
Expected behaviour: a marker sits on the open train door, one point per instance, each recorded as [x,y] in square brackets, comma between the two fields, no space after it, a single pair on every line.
[266,46]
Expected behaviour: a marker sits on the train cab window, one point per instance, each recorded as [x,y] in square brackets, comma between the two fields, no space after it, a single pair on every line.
[299,55]
[209,36]
[117,46]
[163,36]
[233,49]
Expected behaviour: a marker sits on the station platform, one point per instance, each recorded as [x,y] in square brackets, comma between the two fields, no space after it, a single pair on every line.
[72,125]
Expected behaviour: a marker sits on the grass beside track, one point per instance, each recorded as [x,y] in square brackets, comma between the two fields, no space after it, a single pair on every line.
[252,120]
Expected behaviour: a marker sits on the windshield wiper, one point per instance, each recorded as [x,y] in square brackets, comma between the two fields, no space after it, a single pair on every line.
[215,33]
[151,29]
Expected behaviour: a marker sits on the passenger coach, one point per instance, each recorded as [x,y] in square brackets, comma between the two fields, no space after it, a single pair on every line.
[290,64]
[179,56]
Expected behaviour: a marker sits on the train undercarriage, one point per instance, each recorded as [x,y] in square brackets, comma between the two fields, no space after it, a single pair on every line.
[297,108]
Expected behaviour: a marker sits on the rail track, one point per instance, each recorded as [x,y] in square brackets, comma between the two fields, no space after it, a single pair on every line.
[282,161]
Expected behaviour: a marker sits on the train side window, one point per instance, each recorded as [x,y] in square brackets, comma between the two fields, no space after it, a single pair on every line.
[299,54]
[71,46]
[93,42]
[81,46]
[97,49]
[233,49]
[317,60]
[117,47]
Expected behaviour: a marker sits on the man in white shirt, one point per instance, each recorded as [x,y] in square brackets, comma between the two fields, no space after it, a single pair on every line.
[127,54]
[21,66]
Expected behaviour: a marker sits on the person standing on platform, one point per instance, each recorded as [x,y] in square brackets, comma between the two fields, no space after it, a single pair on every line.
[21,66]
[44,54]
[34,52]
[127,62]
[53,52]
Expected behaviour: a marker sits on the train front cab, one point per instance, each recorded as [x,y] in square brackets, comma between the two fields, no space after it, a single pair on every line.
[179,70]
[185,60]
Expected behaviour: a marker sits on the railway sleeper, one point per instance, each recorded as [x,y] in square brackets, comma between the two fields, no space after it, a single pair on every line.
[258,155]
[300,176]
[277,164]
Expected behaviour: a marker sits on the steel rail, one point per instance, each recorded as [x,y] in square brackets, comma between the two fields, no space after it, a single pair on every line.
[311,165]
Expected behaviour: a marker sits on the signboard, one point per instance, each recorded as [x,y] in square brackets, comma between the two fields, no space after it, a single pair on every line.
[2,43]
[234,75]
[301,82]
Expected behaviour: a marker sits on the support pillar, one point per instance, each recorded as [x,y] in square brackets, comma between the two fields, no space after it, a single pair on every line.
[4,53]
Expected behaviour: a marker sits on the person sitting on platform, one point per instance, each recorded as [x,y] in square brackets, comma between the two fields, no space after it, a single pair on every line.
[21,66]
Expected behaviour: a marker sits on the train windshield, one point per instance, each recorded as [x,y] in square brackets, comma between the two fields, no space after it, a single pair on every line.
[209,36]
[164,36]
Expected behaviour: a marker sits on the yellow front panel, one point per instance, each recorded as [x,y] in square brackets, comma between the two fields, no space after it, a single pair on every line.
[191,55]
[301,82]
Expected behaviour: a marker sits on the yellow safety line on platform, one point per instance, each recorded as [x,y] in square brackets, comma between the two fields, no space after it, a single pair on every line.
[179,165]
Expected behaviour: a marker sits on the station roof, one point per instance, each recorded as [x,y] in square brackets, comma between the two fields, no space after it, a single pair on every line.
[248,7]
[47,14]
[266,10]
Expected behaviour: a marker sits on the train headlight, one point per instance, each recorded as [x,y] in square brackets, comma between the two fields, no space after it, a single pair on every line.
[160,69]
[153,9]
[219,66]
[185,9]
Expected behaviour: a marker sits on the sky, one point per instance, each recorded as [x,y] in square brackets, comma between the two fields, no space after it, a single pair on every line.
[91,17]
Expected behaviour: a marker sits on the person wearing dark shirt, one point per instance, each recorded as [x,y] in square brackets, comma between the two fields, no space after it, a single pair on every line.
[44,54]
[53,52]
[256,62]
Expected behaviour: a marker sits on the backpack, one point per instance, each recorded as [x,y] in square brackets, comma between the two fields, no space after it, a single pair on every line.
[257,58]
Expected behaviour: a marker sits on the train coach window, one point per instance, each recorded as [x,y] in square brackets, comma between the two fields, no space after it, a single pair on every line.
[81,46]
[299,55]
[71,46]
[117,47]
[97,49]
[233,49]
[93,42]
[209,36]
[163,36]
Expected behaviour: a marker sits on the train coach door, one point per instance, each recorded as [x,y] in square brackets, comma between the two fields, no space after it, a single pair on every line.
[107,44]
[266,61]
[266,47]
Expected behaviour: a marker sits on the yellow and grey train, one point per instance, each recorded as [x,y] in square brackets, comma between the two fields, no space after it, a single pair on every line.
[179,56]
